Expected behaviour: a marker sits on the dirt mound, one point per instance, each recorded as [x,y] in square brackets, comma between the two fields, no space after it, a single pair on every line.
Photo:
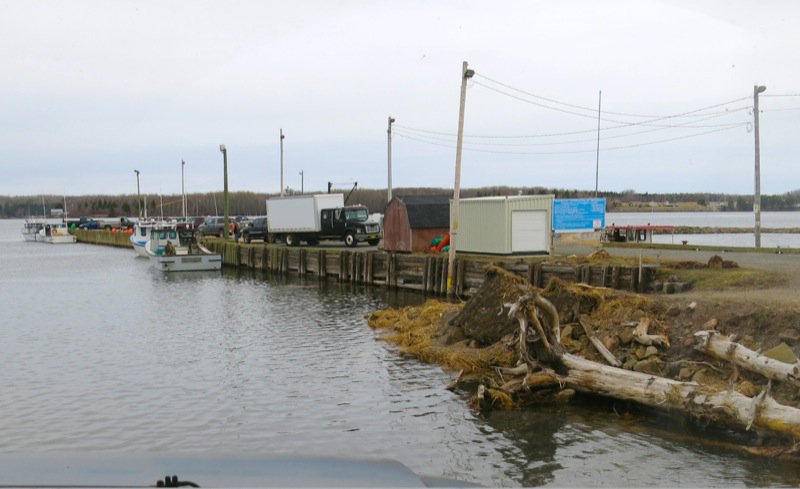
[480,335]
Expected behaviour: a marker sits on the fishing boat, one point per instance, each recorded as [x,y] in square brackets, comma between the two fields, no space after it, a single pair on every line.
[31,228]
[141,235]
[43,230]
[56,232]
[174,247]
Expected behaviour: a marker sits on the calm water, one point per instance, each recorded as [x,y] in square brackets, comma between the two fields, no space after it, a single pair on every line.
[774,220]
[99,353]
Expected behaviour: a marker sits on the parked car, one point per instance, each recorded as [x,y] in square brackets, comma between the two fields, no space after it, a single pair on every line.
[256,230]
[212,226]
[89,223]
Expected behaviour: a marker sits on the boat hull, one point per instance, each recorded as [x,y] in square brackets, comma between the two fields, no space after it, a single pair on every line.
[187,263]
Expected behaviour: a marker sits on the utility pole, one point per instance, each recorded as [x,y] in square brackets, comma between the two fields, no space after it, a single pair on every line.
[454,211]
[138,194]
[301,181]
[183,190]
[389,158]
[282,136]
[225,193]
[757,201]
[597,160]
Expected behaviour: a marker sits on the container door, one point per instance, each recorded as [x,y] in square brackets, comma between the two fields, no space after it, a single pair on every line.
[529,231]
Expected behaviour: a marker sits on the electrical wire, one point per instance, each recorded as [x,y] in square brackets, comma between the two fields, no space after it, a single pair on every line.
[594,111]
[613,148]
[594,117]
[687,125]
[411,132]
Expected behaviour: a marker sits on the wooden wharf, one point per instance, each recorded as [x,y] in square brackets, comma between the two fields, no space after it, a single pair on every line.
[416,271]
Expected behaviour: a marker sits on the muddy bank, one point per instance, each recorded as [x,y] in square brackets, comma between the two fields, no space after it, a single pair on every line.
[602,342]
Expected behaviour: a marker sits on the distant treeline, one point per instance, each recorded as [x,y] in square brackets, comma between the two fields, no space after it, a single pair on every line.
[252,203]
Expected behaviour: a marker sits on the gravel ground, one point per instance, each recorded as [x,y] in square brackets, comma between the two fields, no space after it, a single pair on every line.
[787,264]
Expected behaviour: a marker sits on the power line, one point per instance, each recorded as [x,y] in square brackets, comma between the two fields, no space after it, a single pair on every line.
[594,111]
[687,125]
[438,137]
[613,148]
[622,123]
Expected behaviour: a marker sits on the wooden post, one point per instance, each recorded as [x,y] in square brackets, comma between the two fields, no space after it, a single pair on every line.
[426,274]
[460,276]
[537,276]
[391,281]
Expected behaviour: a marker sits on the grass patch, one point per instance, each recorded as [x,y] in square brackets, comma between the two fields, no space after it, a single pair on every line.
[726,278]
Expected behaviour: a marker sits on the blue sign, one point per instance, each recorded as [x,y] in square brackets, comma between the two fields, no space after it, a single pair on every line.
[579,214]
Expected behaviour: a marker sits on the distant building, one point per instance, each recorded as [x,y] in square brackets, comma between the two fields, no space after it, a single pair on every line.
[411,222]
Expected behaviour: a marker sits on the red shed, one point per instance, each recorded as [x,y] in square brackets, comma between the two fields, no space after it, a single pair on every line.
[411,222]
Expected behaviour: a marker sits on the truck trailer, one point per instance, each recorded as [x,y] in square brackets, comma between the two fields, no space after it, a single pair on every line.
[317,217]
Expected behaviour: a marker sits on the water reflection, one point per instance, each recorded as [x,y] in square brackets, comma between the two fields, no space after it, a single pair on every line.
[241,363]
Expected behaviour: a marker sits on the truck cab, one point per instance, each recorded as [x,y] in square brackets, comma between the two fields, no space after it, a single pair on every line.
[351,223]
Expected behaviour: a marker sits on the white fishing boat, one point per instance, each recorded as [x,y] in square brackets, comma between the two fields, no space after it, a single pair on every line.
[31,228]
[43,230]
[173,247]
[56,232]
[141,235]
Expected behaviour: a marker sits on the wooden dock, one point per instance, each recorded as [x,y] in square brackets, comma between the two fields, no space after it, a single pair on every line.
[423,272]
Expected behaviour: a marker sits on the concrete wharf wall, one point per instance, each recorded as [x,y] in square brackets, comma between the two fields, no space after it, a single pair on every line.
[423,272]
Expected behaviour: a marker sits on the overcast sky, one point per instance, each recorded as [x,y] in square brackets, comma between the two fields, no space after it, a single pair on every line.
[91,90]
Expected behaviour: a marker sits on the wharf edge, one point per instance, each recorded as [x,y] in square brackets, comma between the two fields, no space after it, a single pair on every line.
[422,272]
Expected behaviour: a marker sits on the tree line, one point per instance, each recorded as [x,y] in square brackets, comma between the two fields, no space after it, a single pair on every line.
[254,203]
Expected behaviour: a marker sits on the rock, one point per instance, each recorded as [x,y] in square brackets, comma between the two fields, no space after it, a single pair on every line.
[790,336]
[566,332]
[650,351]
[715,262]
[688,342]
[692,306]
[673,310]
[782,353]
[748,389]
[640,353]
[710,324]
[611,342]
[685,373]
[652,365]
[564,396]
[629,363]
[626,336]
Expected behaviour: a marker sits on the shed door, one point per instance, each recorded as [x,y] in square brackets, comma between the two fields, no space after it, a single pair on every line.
[529,231]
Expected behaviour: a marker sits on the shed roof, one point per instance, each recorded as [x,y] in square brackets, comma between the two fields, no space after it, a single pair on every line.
[427,211]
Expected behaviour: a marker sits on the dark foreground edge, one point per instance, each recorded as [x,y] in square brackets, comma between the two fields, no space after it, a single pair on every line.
[137,470]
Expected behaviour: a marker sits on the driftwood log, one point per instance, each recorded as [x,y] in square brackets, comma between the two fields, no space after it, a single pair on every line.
[539,346]
[722,347]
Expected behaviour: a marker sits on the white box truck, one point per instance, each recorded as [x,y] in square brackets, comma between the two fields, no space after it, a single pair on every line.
[316,217]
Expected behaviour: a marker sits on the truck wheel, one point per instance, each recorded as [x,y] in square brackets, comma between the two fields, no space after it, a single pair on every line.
[373,242]
[350,239]
[290,240]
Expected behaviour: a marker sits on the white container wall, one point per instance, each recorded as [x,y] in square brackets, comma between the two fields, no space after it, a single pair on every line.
[299,213]
[506,225]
